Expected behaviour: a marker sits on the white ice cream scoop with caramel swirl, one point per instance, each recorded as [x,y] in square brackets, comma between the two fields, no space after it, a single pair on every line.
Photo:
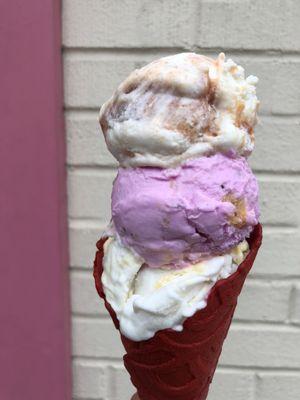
[181,107]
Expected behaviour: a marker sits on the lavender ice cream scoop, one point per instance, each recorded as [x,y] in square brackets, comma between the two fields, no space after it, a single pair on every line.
[176,216]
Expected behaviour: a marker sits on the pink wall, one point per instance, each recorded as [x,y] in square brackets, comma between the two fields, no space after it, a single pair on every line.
[34,296]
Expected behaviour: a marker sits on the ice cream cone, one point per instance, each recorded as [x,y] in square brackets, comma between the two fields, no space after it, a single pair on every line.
[181,365]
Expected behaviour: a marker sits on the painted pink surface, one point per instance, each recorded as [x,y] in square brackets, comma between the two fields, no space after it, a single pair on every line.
[34,305]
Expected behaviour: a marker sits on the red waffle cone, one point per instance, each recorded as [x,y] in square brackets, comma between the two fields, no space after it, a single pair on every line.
[181,365]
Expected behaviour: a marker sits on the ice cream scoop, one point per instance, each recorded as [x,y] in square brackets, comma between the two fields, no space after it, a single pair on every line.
[175,216]
[180,107]
[147,300]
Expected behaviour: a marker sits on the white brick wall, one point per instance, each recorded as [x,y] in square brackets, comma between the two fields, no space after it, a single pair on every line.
[103,40]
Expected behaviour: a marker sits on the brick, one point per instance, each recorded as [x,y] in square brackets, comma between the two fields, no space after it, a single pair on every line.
[175,23]
[264,301]
[105,23]
[277,94]
[95,338]
[119,387]
[262,346]
[278,386]
[233,385]
[279,254]
[84,297]
[276,145]
[261,24]
[295,304]
[89,194]
[89,380]
[90,79]
[85,142]
[279,200]
[89,82]
[82,242]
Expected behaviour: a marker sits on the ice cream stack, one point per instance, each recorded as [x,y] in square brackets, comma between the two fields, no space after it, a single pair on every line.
[184,231]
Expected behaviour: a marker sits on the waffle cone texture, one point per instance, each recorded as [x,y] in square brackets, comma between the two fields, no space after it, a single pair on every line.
[180,365]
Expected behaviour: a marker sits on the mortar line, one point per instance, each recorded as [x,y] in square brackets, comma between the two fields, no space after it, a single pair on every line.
[277,176]
[257,277]
[98,317]
[291,302]
[265,174]
[93,109]
[258,368]
[117,361]
[244,324]
[165,50]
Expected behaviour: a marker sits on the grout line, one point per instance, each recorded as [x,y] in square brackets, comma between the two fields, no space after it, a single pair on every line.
[280,176]
[269,326]
[236,321]
[81,357]
[98,317]
[109,166]
[237,368]
[291,303]
[255,325]
[257,277]
[161,51]
[286,116]
[264,175]
[93,168]
[111,389]
[72,166]
[256,383]
[279,228]
[124,51]
[245,322]
[117,361]
[93,111]
[92,171]
[88,270]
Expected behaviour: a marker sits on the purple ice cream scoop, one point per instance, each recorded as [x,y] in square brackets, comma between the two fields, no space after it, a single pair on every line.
[176,216]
